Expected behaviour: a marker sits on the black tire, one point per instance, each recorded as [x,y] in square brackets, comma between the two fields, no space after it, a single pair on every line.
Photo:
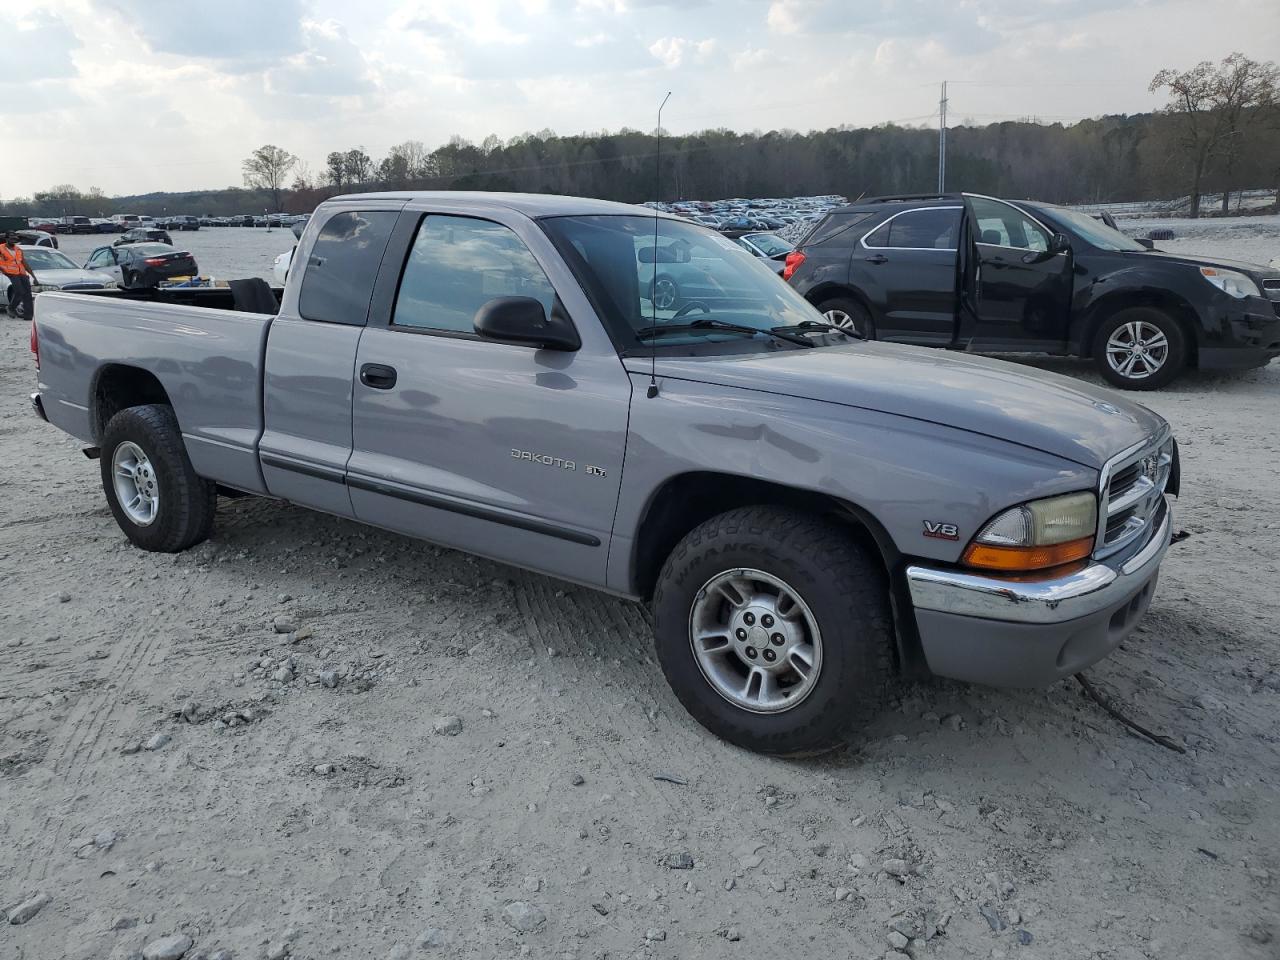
[127,279]
[843,585]
[187,502]
[855,310]
[1175,358]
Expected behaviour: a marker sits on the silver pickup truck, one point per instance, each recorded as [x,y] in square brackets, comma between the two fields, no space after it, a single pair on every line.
[634,403]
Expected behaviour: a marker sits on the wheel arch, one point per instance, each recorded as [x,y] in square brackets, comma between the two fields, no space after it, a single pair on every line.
[1166,301]
[686,500]
[829,291]
[117,386]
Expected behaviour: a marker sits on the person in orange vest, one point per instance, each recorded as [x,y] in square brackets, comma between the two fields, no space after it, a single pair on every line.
[14,266]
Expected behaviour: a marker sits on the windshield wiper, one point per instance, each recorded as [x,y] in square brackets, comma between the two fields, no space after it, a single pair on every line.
[708,323]
[817,325]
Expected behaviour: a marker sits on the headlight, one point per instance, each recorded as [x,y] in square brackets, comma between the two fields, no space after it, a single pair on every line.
[44,287]
[1238,285]
[1037,535]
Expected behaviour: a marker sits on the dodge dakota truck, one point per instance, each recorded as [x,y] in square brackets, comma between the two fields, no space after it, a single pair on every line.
[808,513]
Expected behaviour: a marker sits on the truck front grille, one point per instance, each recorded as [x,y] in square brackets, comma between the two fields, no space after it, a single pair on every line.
[1131,495]
[1271,289]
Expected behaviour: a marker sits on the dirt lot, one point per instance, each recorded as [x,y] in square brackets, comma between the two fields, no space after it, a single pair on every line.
[578,812]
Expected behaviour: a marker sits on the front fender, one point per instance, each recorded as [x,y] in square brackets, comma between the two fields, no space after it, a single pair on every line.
[902,472]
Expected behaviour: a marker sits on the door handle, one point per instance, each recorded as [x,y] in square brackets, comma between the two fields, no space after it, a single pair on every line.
[378,375]
[877,258]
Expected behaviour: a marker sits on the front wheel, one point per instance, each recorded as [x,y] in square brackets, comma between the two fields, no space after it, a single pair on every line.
[772,627]
[1141,348]
[156,496]
[849,315]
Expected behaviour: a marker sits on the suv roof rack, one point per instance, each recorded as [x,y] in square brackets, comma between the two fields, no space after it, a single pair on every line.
[901,197]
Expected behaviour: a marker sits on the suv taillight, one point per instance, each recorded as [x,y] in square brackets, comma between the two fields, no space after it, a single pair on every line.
[793,261]
[35,342]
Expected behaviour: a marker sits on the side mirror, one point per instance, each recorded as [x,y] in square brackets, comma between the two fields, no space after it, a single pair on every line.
[1145,242]
[522,320]
[1059,243]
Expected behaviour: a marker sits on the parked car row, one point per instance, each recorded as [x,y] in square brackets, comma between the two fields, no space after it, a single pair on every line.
[249,220]
[758,214]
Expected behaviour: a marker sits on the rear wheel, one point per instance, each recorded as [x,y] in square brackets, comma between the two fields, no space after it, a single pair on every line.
[849,315]
[154,493]
[1141,348]
[772,627]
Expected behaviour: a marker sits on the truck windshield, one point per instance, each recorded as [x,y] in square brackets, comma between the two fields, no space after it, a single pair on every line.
[1095,231]
[689,274]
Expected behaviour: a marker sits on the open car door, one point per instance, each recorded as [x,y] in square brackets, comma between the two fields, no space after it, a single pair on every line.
[1015,286]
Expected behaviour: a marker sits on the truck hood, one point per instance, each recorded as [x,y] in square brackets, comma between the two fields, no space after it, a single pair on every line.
[1058,415]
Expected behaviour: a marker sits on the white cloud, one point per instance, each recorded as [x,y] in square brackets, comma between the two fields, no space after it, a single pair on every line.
[330,66]
[672,51]
[131,101]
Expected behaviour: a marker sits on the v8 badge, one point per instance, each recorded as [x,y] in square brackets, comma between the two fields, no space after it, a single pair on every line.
[941,531]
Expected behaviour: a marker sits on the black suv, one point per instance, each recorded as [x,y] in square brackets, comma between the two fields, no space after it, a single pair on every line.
[994,276]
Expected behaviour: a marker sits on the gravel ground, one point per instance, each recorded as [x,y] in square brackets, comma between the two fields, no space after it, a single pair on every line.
[309,738]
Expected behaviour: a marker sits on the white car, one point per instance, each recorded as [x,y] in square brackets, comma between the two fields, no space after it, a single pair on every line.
[53,271]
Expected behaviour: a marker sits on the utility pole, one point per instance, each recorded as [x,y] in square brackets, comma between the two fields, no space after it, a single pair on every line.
[942,140]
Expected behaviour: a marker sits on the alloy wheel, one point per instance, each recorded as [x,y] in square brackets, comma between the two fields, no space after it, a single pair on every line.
[755,640]
[137,488]
[1137,350]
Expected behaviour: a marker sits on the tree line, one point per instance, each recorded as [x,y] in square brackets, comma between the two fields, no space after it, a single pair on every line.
[1220,133]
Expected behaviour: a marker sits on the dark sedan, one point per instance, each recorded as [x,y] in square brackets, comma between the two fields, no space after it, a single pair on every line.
[143,265]
[144,235]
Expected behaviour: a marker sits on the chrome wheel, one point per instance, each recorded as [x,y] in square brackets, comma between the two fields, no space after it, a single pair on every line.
[755,640]
[1137,350]
[136,486]
[665,293]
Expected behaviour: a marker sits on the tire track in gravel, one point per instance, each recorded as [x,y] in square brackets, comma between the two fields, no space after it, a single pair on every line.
[72,755]
[605,628]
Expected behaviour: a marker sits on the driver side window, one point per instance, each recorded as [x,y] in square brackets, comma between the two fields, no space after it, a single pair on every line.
[457,265]
[102,258]
[1000,225]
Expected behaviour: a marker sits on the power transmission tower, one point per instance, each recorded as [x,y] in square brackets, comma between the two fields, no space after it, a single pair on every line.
[942,140]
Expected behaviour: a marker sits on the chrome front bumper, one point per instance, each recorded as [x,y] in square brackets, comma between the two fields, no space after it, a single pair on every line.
[1011,633]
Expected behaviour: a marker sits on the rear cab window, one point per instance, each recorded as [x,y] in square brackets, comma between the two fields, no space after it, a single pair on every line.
[337,284]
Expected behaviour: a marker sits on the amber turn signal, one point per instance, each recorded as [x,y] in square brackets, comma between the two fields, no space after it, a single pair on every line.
[1022,559]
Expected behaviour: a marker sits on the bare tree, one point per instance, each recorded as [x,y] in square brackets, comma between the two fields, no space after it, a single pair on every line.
[267,168]
[1246,90]
[336,168]
[404,163]
[1209,103]
[303,178]
[358,165]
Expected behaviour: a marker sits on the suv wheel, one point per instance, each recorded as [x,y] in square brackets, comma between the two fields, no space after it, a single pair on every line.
[1140,348]
[772,627]
[849,315]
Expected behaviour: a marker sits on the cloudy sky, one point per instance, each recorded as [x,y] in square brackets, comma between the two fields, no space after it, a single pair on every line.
[131,95]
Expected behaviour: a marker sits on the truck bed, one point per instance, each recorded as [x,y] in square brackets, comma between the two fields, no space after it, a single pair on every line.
[207,358]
